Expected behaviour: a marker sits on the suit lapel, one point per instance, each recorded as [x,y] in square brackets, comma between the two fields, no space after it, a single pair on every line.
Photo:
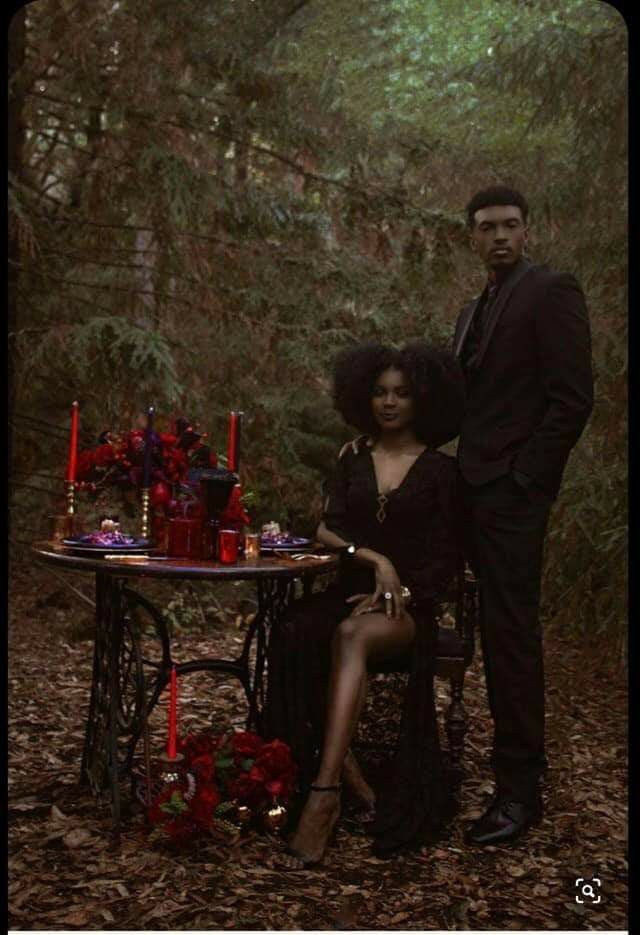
[466,317]
[502,298]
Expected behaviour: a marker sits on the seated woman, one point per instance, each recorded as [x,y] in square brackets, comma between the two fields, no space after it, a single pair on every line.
[392,510]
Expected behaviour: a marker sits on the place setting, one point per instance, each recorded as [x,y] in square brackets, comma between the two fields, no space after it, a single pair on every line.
[190,501]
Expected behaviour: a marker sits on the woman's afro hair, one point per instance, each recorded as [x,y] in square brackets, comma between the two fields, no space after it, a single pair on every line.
[435,380]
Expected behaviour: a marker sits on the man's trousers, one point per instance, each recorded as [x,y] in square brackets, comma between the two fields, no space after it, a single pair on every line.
[507,525]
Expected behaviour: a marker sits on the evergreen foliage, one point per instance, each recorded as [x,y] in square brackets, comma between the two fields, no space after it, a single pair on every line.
[211,200]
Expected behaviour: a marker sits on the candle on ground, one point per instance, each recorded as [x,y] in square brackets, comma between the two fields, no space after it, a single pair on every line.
[172,740]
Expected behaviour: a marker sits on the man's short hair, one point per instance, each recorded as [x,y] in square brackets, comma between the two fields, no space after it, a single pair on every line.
[496,195]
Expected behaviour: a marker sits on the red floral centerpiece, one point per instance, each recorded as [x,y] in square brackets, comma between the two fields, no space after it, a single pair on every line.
[118,458]
[223,781]
[178,458]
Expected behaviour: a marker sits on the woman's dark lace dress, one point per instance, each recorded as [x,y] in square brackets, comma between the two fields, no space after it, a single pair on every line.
[416,528]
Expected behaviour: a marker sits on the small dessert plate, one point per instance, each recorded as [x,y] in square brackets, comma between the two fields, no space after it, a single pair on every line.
[80,546]
[284,544]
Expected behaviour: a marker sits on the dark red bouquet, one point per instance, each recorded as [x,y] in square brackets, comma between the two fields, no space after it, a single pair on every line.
[223,779]
[117,461]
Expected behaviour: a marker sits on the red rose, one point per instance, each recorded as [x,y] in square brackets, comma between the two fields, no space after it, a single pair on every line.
[246,791]
[203,767]
[278,787]
[104,455]
[203,804]
[246,744]
[194,745]
[207,794]
[257,775]
[275,759]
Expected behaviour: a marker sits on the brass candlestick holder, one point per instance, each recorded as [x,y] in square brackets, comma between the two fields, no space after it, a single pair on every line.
[71,497]
[146,496]
[71,508]
[60,527]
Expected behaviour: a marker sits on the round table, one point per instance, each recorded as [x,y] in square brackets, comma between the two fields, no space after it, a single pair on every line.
[126,685]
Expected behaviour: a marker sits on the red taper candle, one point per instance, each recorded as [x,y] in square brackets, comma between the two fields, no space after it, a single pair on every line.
[148,449]
[73,443]
[172,740]
[233,446]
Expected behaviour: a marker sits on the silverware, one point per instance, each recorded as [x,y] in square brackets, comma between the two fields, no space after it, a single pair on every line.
[115,557]
[300,555]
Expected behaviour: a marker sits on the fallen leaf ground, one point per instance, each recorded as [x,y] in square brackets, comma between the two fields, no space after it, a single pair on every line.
[66,873]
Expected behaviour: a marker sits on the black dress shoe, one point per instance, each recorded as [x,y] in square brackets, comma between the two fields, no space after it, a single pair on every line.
[503,821]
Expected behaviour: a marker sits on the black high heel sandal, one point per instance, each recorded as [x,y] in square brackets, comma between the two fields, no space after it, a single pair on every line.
[361,820]
[292,852]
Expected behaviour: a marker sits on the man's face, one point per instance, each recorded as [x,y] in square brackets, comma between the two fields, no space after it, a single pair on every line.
[499,235]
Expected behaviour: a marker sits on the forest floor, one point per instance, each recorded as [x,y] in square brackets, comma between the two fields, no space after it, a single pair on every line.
[66,873]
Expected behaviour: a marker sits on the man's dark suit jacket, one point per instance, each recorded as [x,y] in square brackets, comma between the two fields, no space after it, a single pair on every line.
[531,392]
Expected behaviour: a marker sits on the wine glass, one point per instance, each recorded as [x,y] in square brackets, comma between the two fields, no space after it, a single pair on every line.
[216,485]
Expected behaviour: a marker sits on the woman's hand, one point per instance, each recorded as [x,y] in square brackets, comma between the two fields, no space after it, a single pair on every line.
[366,605]
[387,582]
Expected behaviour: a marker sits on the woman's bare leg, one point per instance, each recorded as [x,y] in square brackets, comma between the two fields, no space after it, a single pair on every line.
[352,775]
[356,641]
[353,778]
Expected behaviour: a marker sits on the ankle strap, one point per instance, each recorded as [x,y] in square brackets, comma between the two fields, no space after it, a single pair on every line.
[315,788]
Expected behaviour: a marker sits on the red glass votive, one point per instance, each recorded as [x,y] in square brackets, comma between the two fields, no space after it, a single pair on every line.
[228,541]
[185,537]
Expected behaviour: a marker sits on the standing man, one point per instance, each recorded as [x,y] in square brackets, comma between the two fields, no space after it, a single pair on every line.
[525,348]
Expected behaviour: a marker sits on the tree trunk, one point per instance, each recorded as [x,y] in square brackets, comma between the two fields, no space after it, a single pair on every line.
[15,135]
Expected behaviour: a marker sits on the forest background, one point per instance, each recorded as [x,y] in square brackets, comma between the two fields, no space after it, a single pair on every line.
[208,200]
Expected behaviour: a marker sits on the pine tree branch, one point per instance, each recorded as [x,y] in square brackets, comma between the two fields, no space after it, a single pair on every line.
[49,493]
[50,425]
[55,477]
[296,7]
[117,163]
[136,267]
[97,307]
[128,290]
[86,222]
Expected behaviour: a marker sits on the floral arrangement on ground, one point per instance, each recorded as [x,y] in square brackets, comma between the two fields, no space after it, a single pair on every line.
[223,784]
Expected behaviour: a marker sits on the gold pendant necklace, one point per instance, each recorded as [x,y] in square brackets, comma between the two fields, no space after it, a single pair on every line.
[381,515]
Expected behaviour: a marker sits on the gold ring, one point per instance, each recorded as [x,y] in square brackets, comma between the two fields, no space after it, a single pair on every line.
[388,595]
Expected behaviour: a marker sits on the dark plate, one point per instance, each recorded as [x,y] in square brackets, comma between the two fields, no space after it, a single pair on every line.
[76,545]
[296,544]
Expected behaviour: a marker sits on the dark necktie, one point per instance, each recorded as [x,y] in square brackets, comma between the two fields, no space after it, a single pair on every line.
[478,325]
[483,318]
